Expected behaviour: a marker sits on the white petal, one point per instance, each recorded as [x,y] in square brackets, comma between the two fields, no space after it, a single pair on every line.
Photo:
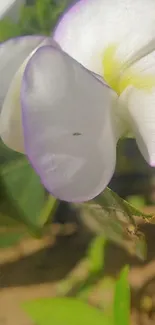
[140,74]
[92,28]
[67,126]
[141,118]
[12,55]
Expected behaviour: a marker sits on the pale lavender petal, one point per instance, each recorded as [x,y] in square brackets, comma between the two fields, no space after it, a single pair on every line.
[68,133]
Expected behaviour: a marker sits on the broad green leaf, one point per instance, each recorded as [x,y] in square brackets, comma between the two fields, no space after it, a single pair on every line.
[64,311]
[22,196]
[95,254]
[9,216]
[122,299]
[7,155]
[10,238]
[112,217]
[24,191]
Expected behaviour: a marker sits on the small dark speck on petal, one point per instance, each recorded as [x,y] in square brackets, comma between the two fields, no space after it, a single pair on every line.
[76,134]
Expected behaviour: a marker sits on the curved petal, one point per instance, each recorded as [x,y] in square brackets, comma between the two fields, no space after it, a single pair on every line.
[141,118]
[67,125]
[11,73]
[97,32]
[12,54]
[138,102]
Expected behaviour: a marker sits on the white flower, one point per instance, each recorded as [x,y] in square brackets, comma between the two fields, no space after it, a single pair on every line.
[67,105]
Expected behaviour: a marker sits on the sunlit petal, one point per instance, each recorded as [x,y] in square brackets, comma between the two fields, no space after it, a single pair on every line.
[114,30]
[68,132]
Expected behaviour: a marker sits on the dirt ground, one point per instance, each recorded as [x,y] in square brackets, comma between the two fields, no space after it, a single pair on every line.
[33,268]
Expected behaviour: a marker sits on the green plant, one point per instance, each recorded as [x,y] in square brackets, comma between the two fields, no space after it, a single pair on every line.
[38,18]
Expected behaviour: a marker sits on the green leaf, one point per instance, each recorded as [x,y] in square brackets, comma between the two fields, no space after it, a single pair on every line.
[112,217]
[136,200]
[95,254]
[8,29]
[122,299]
[64,311]
[22,196]
[9,238]
[28,21]
[38,18]
[7,155]
[111,200]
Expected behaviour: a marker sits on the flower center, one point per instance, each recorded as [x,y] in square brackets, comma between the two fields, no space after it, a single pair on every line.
[119,78]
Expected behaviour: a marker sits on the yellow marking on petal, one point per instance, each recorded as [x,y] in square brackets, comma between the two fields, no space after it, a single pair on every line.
[118,79]
[139,81]
[112,67]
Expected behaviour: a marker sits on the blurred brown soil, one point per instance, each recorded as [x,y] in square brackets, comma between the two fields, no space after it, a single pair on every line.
[33,268]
